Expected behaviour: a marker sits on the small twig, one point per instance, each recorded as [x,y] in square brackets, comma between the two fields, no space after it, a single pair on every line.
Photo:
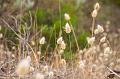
[74,36]
[113,72]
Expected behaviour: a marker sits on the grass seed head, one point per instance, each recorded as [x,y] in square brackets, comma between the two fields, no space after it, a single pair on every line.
[23,66]
[100,28]
[38,52]
[59,40]
[63,45]
[51,74]
[97,6]
[103,39]
[33,43]
[67,28]
[67,17]
[42,40]
[90,40]
[94,13]
[61,51]
[96,31]
[39,76]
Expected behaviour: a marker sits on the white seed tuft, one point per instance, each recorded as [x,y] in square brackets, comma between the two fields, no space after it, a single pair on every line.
[100,28]
[42,40]
[67,28]
[67,17]
[39,76]
[90,40]
[51,74]
[103,39]
[23,66]
[63,45]
[59,40]
[38,52]
[96,31]
[33,43]
[94,13]
[97,6]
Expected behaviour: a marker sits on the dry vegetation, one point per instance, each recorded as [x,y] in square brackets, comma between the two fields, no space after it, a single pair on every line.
[99,60]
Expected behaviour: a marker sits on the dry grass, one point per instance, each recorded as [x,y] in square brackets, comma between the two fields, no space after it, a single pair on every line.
[99,60]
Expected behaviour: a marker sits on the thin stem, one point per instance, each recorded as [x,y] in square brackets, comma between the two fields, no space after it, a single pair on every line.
[70,41]
[60,33]
[74,35]
[22,39]
[93,26]
[113,72]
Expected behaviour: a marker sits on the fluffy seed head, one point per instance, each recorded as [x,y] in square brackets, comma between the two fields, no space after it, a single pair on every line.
[100,28]
[90,40]
[33,43]
[59,40]
[67,17]
[23,66]
[51,74]
[94,13]
[96,31]
[67,28]
[81,52]
[42,40]
[30,4]
[61,51]
[103,39]
[97,6]
[38,52]
[13,48]
[39,76]
[63,45]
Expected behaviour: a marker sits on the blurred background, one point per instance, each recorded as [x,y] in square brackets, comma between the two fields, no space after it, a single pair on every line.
[79,10]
